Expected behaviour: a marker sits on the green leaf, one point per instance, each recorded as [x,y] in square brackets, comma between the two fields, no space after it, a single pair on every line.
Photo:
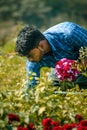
[41,110]
[8,127]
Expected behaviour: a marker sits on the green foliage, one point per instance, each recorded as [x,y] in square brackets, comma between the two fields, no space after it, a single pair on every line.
[12,67]
[41,101]
[82,66]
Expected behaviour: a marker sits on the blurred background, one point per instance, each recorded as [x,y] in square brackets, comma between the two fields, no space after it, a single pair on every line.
[43,14]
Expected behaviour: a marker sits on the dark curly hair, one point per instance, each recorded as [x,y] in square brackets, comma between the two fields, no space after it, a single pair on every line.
[28,38]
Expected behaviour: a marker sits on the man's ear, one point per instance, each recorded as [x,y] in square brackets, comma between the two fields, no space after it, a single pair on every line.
[41,46]
[44,46]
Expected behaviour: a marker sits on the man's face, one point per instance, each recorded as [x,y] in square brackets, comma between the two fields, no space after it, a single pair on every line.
[35,55]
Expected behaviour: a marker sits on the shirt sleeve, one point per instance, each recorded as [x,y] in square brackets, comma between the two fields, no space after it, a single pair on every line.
[32,71]
[78,37]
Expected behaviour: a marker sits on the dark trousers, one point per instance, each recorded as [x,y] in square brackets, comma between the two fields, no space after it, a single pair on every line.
[81,81]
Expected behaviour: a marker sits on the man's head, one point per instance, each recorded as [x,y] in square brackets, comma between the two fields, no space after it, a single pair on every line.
[28,38]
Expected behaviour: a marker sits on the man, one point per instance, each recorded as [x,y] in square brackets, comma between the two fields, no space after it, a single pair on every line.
[44,49]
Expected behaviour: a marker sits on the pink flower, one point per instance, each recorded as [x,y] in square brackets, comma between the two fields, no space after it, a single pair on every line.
[66,69]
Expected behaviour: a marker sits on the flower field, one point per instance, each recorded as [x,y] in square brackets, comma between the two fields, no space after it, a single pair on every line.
[43,107]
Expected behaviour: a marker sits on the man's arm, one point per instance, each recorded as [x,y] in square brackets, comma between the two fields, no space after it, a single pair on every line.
[32,71]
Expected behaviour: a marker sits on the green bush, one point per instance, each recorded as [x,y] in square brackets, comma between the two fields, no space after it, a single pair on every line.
[39,102]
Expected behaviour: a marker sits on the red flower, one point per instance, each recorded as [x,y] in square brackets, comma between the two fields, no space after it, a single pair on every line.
[13,117]
[31,127]
[47,128]
[82,128]
[83,122]
[79,117]
[55,123]
[22,128]
[82,125]
[46,122]
[58,128]
[69,126]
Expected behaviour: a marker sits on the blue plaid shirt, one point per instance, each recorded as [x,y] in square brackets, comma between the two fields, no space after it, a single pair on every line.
[65,40]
